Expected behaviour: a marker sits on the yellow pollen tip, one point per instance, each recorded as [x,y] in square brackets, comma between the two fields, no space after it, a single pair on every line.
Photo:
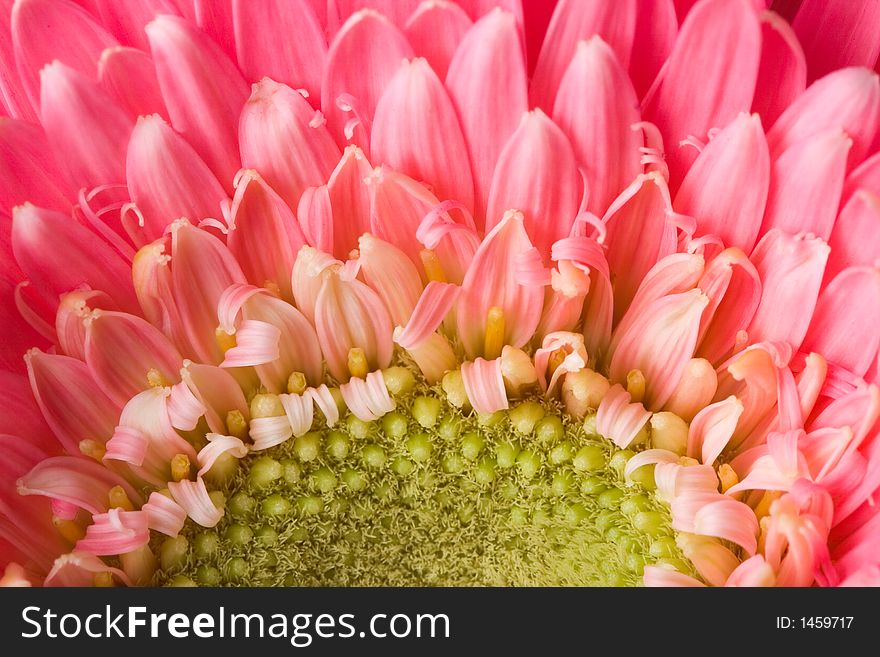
[763,508]
[155,379]
[68,529]
[103,580]
[93,449]
[635,385]
[357,363]
[728,477]
[180,467]
[556,359]
[297,384]
[119,499]
[236,425]
[433,268]
[494,341]
[225,341]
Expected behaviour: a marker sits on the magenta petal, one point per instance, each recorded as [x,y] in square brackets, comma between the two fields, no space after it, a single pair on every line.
[126,20]
[656,31]
[853,241]
[129,76]
[782,76]
[28,172]
[435,29]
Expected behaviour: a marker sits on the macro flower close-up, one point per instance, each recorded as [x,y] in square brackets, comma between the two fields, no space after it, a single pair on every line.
[435,293]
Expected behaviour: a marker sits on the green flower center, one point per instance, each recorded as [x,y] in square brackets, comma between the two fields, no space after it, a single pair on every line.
[428,495]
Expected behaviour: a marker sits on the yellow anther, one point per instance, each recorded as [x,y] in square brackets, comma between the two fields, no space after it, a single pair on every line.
[296,383]
[556,359]
[453,386]
[225,341]
[180,467]
[687,461]
[103,579]
[155,379]
[236,425]
[728,477]
[635,385]
[119,499]
[358,366]
[92,448]
[763,508]
[433,268]
[494,342]
[272,288]
[68,529]
[266,405]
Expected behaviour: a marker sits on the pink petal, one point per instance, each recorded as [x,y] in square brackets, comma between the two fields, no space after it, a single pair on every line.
[164,514]
[656,576]
[573,21]
[121,350]
[115,532]
[709,77]
[453,243]
[865,176]
[791,270]
[325,401]
[75,480]
[392,275]
[564,305]
[484,385]
[729,520]
[128,75]
[712,560]
[126,21]
[12,92]
[431,309]
[256,344]
[193,497]
[364,56]
[307,279]
[265,47]
[167,179]
[397,11]
[27,170]
[275,117]
[575,357]
[752,572]
[217,391]
[203,91]
[605,146]
[184,408]
[264,235]
[536,174]
[316,217]
[852,239]
[656,31]
[493,280]
[267,432]
[368,399]
[835,35]
[79,569]
[807,181]
[21,415]
[848,99]
[70,400]
[712,428]
[216,447]
[46,30]
[349,200]
[487,83]
[435,29]
[416,131]
[87,259]
[87,131]
[726,188]
[202,268]
[215,18]
[695,390]
[348,315]
[649,457]
[660,343]
[845,327]
[782,76]
[434,356]
[618,419]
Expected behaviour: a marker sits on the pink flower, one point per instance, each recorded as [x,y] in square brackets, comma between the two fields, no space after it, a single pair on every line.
[624,254]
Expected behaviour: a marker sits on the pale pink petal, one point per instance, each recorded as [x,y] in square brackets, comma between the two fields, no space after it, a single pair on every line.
[115,532]
[367,398]
[392,275]
[326,403]
[416,131]
[126,20]
[618,419]
[350,201]
[434,356]
[649,457]
[216,447]
[726,188]
[193,497]
[454,244]
[806,184]
[487,84]
[573,21]
[852,239]
[712,428]
[859,410]
[791,270]
[128,75]
[184,408]
[79,569]
[46,30]
[537,175]
[364,56]
[274,119]
[300,411]
[257,343]
[656,576]
[575,357]
[87,258]
[203,91]
[164,514]
[264,235]
[848,99]
[709,77]
[431,309]
[656,31]
[218,391]
[307,279]
[267,432]
[435,29]
[27,170]
[122,350]
[695,390]
[484,385]
[349,315]
[564,305]
[782,76]
[492,281]
[729,520]
[752,572]
[215,18]
[837,34]
[316,217]
[266,46]
[660,343]
[167,179]
[712,560]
